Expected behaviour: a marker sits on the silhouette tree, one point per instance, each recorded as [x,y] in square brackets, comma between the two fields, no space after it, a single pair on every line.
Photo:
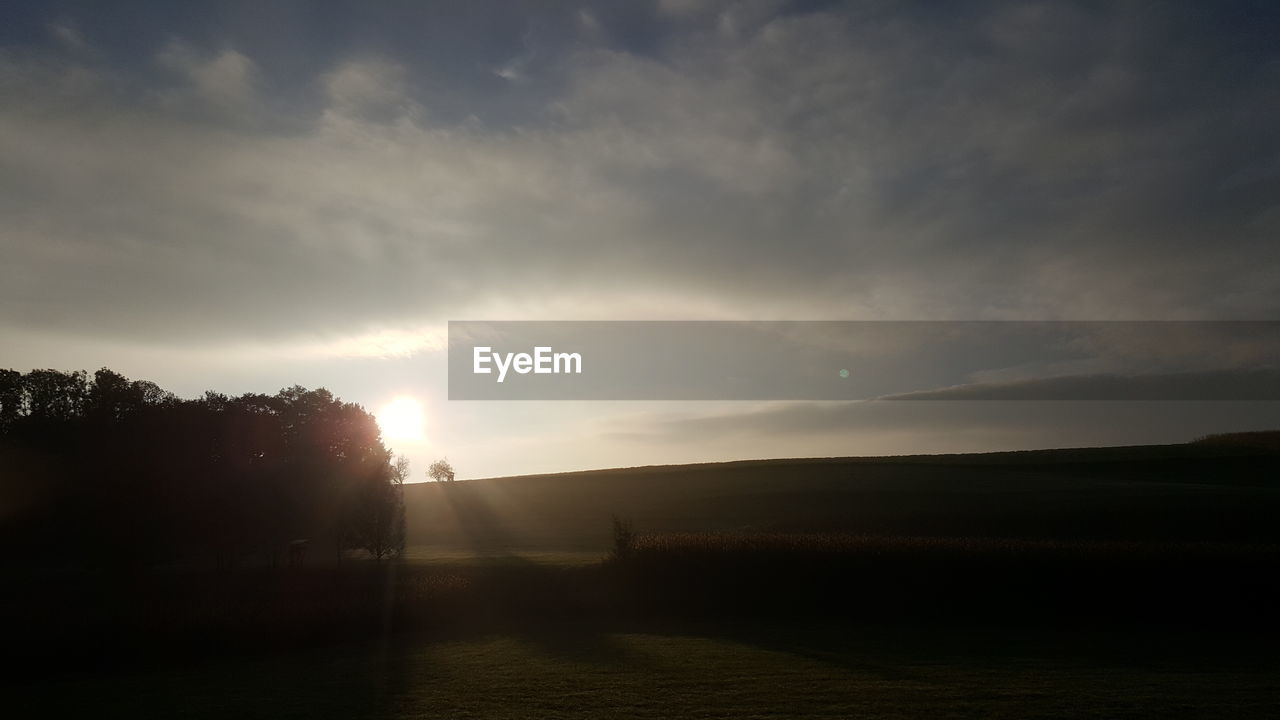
[441,471]
[380,521]
[55,396]
[12,398]
[624,538]
[115,471]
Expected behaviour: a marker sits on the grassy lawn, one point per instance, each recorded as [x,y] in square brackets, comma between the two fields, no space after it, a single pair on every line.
[818,673]
[473,557]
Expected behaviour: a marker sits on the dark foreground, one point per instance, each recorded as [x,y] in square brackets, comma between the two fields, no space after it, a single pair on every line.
[688,626]
[1115,583]
[735,671]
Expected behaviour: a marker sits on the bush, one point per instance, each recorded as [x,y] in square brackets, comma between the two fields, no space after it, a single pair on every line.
[624,538]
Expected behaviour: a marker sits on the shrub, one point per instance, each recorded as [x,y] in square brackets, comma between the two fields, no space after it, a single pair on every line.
[624,538]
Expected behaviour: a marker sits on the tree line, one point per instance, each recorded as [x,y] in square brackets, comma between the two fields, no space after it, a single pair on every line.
[102,471]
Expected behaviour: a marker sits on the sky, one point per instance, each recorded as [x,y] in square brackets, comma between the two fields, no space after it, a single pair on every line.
[243,196]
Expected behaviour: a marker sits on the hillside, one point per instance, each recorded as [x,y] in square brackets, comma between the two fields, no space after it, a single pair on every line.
[1217,489]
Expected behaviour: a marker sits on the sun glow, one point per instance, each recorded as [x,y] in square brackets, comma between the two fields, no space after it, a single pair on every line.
[402,419]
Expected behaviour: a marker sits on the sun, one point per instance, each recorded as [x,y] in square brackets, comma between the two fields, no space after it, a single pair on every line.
[402,419]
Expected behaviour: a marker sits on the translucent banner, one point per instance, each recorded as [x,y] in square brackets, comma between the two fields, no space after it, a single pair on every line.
[892,361]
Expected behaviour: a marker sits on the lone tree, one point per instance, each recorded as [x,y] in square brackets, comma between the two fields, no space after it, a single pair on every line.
[379,527]
[441,471]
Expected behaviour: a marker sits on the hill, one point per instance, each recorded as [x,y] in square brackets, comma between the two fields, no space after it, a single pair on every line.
[1218,489]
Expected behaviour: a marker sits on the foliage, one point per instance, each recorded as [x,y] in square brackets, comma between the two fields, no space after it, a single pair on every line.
[109,470]
[379,526]
[441,471]
[624,538]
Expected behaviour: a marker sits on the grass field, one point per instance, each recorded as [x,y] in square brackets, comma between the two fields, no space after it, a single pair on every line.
[801,672]
[1171,493]
[448,555]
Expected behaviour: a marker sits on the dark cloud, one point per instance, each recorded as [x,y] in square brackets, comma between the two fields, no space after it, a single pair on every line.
[1249,385]
[241,171]
[876,428]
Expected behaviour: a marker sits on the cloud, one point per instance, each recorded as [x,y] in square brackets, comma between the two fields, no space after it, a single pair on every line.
[1254,384]
[223,83]
[886,428]
[385,343]
[69,37]
[754,163]
[370,89]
